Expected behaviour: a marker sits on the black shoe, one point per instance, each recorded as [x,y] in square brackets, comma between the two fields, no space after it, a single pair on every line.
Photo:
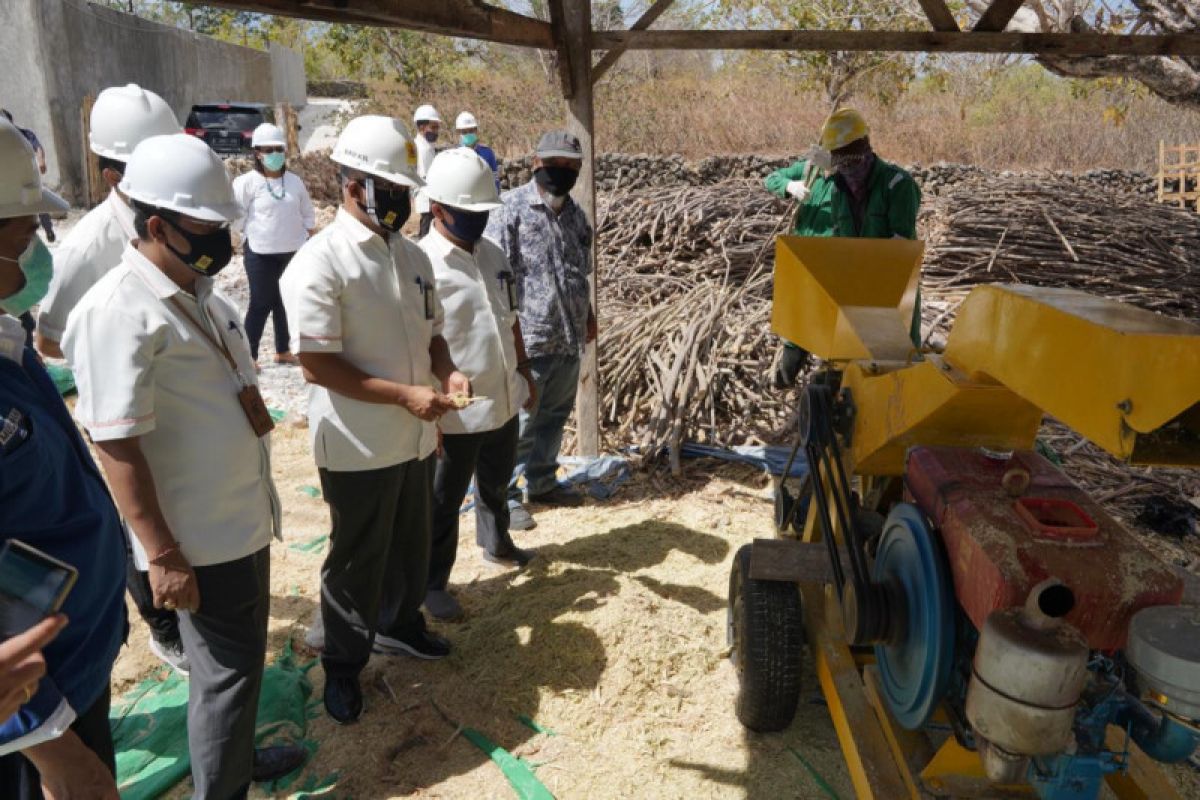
[558,496]
[272,763]
[424,644]
[343,699]
[514,558]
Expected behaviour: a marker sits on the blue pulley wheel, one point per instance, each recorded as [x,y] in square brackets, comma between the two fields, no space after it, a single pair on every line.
[914,666]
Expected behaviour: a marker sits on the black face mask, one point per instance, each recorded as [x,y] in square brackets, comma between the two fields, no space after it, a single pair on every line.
[210,252]
[557,181]
[466,225]
[390,208]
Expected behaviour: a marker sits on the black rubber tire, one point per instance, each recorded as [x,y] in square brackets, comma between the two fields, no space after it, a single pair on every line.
[766,632]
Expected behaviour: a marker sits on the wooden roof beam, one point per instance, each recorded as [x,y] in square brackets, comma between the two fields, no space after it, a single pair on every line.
[1064,44]
[939,15]
[998,15]
[469,19]
[643,22]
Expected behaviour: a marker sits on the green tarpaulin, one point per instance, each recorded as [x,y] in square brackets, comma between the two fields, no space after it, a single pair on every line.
[149,728]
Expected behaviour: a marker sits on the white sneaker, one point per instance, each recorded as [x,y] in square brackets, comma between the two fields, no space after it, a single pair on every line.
[172,655]
[314,637]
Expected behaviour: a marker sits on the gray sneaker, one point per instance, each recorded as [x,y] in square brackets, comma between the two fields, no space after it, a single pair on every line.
[442,605]
[172,654]
[520,520]
[314,637]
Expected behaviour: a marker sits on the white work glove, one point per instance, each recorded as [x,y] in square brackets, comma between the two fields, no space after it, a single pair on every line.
[798,190]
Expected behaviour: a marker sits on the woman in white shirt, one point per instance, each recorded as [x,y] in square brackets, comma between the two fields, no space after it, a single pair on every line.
[278,218]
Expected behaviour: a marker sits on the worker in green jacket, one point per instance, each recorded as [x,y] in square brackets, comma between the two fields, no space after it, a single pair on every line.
[855,193]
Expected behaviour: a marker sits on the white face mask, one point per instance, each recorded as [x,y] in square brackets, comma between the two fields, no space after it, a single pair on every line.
[555,202]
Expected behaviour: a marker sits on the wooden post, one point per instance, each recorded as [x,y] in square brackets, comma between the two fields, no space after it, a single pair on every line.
[285,117]
[1162,166]
[577,46]
[94,189]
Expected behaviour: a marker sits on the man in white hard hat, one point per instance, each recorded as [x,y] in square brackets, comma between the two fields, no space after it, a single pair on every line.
[168,394]
[429,127]
[52,497]
[121,118]
[468,136]
[367,327]
[548,240]
[478,292]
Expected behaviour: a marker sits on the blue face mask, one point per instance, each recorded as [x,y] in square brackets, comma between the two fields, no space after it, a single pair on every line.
[469,139]
[274,161]
[37,265]
[465,225]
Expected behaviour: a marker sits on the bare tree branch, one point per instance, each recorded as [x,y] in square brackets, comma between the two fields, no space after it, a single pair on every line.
[1176,80]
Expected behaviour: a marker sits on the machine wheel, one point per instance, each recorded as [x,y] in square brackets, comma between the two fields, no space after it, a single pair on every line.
[766,633]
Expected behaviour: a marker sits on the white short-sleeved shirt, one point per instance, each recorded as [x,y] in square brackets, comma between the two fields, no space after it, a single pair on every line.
[474,291]
[426,152]
[93,247]
[144,370]
[374,302]
[278,211]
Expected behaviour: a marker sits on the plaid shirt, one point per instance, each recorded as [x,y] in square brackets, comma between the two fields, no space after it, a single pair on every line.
[551,255]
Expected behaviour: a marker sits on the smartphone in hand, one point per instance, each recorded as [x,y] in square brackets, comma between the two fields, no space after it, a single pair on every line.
[33,586]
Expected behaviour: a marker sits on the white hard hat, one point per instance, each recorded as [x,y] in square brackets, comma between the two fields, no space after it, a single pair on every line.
[180,173]
[21,192]
[125,115]
[459,178]
[268,135]
[378,146]
[426,113]
[466,121]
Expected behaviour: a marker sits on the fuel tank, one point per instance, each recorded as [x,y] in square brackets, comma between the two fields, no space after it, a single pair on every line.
[1011,521]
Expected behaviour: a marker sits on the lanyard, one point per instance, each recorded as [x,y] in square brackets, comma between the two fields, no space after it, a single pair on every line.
[217,342]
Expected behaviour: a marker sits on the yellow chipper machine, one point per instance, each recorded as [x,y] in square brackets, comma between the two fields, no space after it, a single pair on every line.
[979,625]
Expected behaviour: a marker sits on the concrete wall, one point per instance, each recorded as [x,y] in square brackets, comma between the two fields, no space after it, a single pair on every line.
[64,50]
[287,73]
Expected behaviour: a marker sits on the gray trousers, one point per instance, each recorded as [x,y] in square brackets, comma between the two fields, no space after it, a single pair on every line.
[374,576]
[226,643]
[489,458]
[557,379]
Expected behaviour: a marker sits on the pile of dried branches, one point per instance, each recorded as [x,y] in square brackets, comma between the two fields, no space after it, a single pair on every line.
[1053,233]
[685,278]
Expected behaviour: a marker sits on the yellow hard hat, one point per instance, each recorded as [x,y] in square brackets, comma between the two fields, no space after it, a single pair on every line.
[843,127]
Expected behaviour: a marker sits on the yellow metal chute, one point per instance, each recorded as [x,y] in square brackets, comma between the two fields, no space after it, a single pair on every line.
[846,299]
[1126,378]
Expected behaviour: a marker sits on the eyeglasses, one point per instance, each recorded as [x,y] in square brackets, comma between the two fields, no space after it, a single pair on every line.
[269,149]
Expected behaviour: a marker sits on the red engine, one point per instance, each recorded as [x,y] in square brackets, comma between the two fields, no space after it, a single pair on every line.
[1010,523]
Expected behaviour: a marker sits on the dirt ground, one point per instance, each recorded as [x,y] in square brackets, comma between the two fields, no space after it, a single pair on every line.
[614,639]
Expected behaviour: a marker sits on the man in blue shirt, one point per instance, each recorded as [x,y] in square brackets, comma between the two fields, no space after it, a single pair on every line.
[53,498]
[468,136]
[548,241]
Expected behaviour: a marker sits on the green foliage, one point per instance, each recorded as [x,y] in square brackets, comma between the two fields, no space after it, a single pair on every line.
[417,60]
[839,75]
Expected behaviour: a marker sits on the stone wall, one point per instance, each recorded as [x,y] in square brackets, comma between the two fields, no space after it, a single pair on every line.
[617,171]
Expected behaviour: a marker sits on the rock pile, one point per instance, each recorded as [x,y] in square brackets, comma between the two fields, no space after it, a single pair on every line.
[622,171]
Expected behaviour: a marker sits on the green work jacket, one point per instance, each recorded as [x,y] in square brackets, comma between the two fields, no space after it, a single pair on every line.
[893,198]
[892,201]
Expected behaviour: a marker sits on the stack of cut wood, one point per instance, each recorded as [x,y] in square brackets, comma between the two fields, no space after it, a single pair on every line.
[685,276]
[1054,233]
[685,288]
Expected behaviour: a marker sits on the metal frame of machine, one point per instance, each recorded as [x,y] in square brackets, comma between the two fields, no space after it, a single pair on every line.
[963,626]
